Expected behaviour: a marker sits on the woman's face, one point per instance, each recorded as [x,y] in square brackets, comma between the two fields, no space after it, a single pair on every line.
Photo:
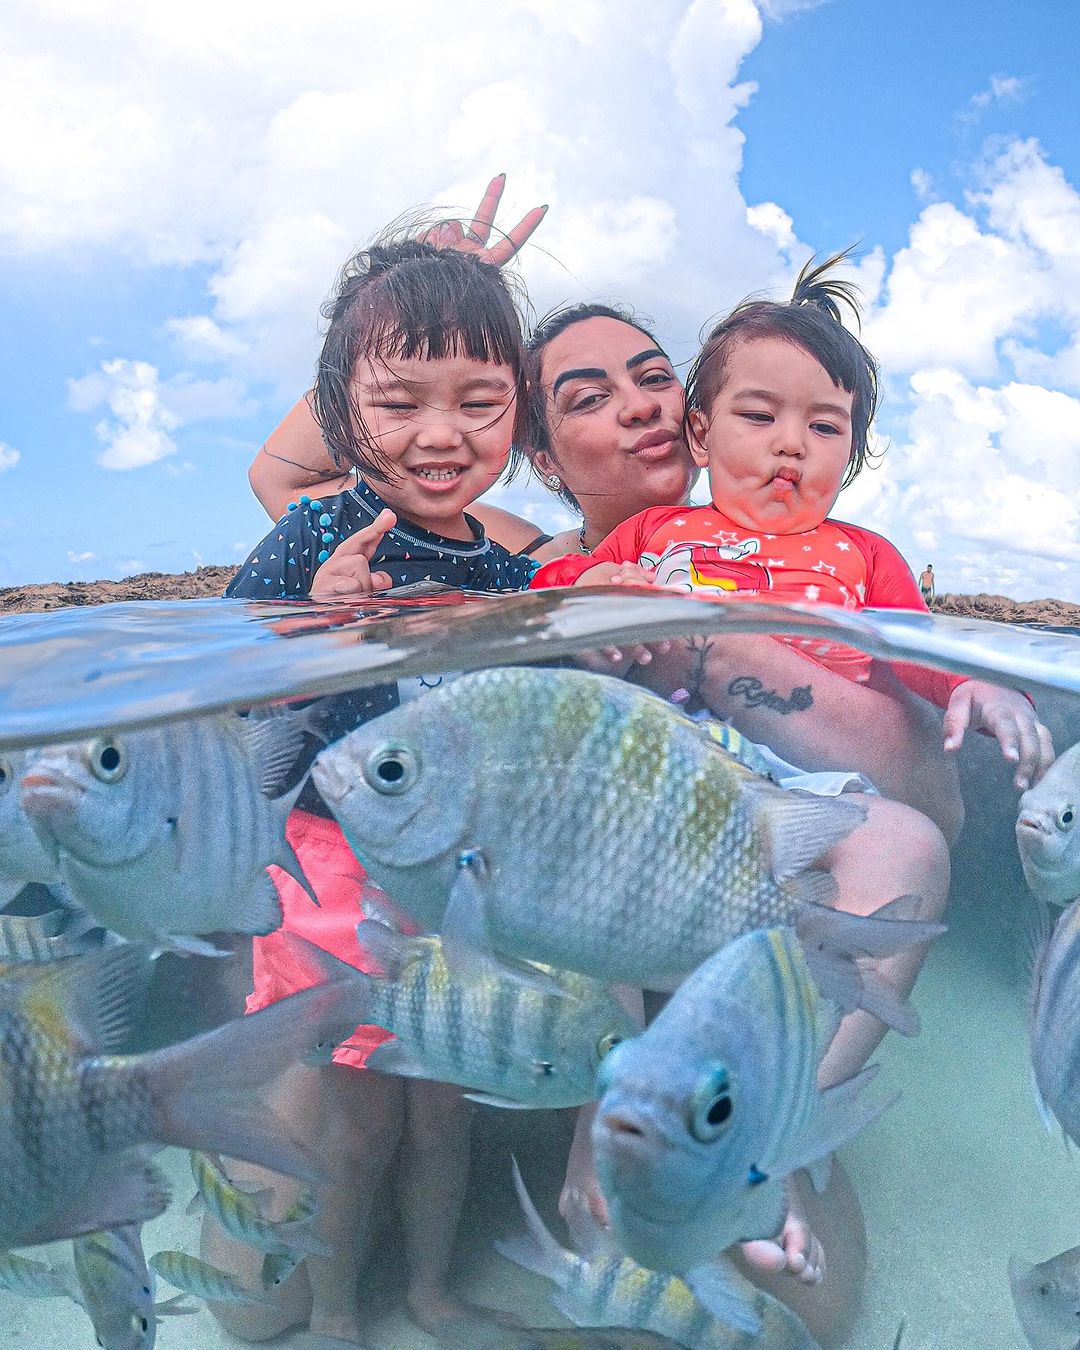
[614,411]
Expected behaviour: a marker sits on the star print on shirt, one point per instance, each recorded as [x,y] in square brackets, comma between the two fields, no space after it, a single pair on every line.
[823,567]
[721,536]
[843,546]
[812,592]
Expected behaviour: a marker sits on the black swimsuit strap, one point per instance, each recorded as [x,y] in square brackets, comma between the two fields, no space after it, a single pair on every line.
[537,542]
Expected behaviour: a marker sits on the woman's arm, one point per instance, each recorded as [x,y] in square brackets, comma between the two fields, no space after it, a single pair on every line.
[820,720]
[294,460]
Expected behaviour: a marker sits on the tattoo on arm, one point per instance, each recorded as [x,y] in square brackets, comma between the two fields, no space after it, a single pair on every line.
[699,651]
[755,694]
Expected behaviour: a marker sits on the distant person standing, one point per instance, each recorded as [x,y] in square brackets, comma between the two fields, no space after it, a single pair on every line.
[926,584]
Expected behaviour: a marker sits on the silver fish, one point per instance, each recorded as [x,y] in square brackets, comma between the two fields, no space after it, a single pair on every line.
[1054,1022]
[203,1280]
[31,1279]
[240,1215]
[23,858]
[118,1290]
[165,834]
[703,1115]
[602,1287]
[511,1043]
[1048,831]
[571,819]
[1047,1299]
[37,938]
[70,1116]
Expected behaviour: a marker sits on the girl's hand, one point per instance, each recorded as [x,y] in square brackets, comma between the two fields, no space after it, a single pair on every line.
[1007,716]
[347,571]
[452,234]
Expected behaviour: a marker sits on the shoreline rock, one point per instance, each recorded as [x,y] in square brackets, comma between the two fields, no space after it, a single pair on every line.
[206,582]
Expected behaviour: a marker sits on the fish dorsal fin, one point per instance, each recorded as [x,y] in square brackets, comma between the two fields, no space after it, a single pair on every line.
[84,1003]
[801,828]
[273,741]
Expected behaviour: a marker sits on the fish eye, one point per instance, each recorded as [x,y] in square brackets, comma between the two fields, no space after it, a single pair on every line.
[1066,817]
[7,774]
[108,762]
[391,769]
[544,1068]
[606,1044]
[712,1106]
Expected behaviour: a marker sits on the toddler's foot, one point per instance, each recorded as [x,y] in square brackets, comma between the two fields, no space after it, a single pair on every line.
[433,1310]
[795,1250]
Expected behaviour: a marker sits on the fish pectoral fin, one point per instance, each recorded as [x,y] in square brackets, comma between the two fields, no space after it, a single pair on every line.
[122,1191]
[465,936]
[396,1058]
[187,944]
[723,1293]
[565,1304]
[838,1119]
[801,827]
[504,1103]
[290,863]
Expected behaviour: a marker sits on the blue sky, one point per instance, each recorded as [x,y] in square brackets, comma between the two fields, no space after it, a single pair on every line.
[181,195]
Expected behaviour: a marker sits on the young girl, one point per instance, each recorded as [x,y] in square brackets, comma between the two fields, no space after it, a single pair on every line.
[420,387]
[779,406]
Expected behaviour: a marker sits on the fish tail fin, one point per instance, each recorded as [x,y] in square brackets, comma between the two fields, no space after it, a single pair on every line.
[832,940]
[206,1090]
[535,1249]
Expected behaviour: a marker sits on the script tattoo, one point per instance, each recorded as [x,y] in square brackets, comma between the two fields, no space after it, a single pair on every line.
[757,696]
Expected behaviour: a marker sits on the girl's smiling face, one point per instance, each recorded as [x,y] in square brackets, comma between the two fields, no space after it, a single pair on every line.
[442,429]
[776,440]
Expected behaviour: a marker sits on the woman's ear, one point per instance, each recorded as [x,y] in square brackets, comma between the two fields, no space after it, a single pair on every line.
[544,465]
[697,429]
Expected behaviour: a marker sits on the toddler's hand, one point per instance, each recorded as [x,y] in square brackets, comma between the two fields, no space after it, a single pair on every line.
[1007,716]
[347,571]
[616,574]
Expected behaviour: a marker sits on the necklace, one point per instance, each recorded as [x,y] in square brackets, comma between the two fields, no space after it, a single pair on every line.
[582,545]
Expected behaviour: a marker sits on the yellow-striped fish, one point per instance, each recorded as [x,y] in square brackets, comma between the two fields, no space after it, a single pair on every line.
[568,818]
[240,1215]
[204,1280]
[703,1116]
[117,1289]
[34,939]
[510,1042]
[602,1287]
[31,1279]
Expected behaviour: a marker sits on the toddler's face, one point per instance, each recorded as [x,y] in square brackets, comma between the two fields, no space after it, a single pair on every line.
[776,440]
[444,426]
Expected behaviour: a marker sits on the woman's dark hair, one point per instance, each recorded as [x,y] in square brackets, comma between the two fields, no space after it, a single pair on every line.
[401,299]
[812,320]
[556,321]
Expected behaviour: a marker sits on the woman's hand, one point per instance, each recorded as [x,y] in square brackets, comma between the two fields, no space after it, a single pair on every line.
[474,238]
[348,569]
[1006,715]
[616,574]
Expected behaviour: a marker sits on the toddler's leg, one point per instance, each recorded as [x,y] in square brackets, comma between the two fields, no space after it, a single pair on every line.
[434,1172]
[352,1120]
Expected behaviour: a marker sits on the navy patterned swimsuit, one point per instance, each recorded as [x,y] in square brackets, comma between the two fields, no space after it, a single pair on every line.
[283,565]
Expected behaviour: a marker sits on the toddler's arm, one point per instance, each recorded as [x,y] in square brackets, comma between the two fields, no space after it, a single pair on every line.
[1006,715]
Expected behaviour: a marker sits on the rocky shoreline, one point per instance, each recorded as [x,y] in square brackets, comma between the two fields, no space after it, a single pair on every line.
[211,581]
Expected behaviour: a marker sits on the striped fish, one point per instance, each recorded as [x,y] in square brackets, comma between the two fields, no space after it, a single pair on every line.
[118,1290]
[704,1115]
[166,833]
[474,1336]
[35,939]
[204,1280]
[31,1279]
[1054,1023]
[240,1215]
[649,848]
[603,1287]
[512,1043]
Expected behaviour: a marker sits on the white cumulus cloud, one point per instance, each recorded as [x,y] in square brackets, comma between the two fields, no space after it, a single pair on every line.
[9,456]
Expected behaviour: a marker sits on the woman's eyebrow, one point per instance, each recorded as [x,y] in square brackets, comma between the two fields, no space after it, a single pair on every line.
[585,373]
[645,356]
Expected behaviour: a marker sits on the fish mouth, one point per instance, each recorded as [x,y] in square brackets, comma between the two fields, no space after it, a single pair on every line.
[1032,825]
[43,796]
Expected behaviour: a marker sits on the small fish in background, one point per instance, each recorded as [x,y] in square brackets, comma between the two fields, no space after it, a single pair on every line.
[648,848]
[35,939]
[1048,831]
[23,857]
[704,1115]
[68,1165]
[32,1279]
[1047,1299]
[1054,1023]
[203,1280]
[479,1336]
[117,1289]
[240,1214]
[166,833]
[601,1286]
[489,1030]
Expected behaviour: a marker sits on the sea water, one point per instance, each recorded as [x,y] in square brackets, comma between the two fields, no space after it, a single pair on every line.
[960,1175]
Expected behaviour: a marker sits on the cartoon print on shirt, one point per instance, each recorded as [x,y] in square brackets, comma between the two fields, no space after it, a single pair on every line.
[703,565]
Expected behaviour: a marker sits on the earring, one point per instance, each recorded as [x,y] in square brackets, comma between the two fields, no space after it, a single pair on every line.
[553,481]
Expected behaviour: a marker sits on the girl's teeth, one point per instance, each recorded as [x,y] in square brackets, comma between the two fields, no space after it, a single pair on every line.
[438,475]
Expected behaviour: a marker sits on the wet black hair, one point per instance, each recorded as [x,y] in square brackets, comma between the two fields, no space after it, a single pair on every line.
[813,320]
[555,322]
[401,299]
